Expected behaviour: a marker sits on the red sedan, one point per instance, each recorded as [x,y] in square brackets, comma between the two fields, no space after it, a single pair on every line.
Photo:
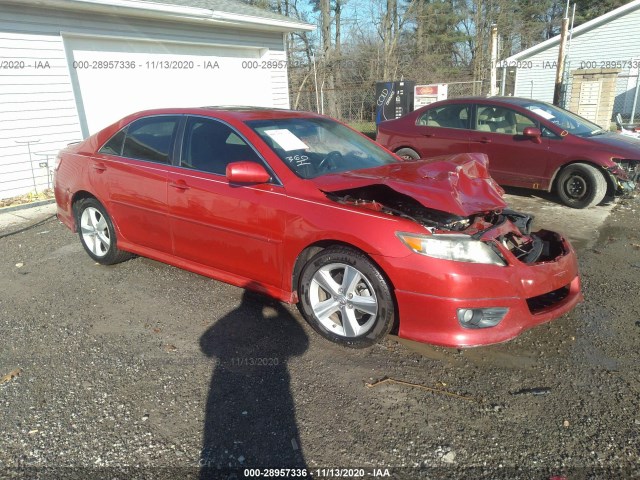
[530,144]
[302,208]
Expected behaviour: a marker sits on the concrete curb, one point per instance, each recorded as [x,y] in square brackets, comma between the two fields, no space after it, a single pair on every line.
[24,206]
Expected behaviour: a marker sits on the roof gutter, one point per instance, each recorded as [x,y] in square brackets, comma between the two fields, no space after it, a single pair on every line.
[176,13]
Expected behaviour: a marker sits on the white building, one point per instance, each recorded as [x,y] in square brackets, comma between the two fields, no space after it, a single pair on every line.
[71,67]
[611,41]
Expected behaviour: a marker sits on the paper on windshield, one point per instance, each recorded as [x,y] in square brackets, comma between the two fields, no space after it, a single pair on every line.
[542,113]
[287,140]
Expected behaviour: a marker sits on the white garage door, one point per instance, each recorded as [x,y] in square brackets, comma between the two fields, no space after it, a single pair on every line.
[115,77]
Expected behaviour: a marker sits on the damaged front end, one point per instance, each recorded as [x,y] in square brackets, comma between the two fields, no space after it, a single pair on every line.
[625,175]
[487,277]
[457,202]
[453,236]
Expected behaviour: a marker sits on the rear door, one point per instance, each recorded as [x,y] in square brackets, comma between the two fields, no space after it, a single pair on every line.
[443,130]
[129,173]
[235,228]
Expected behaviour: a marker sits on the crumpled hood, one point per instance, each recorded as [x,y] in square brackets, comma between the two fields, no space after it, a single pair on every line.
[458,184]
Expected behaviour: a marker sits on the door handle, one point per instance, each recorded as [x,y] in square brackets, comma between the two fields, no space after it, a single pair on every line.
[180,185]
[483,140]
[428,135]
[99,167]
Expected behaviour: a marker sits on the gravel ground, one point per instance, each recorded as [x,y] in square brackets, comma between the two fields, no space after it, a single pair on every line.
[141,370]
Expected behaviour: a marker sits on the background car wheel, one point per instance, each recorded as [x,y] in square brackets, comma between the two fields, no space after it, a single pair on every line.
[408,154]
[97,234]
[345,298]
[580,185]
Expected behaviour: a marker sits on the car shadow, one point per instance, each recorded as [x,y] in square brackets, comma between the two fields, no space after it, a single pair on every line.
[548,196]
[528,193]
[250,418]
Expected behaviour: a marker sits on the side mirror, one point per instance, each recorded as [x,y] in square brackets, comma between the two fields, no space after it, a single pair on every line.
[533,133]
[247,172]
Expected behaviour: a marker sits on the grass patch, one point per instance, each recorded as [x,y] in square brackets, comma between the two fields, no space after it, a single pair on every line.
[367,128]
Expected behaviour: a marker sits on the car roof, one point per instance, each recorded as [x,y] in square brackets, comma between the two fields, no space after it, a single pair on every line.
[496,99]
[235,112]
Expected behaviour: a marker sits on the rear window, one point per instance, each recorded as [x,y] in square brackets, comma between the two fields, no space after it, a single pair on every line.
[150,138]
[114,146]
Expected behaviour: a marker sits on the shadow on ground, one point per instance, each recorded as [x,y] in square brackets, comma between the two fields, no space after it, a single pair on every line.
[250,414]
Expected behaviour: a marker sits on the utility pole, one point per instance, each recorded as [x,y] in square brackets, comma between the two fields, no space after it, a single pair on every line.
[557,92]
[494,60]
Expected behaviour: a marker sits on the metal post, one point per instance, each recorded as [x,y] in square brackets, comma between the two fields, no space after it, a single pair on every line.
[632,120]
[494,59]
[315,81]
[33,175]
[560,69]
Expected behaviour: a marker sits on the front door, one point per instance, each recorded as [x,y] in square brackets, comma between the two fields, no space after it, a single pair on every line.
[514,159]
[235,228]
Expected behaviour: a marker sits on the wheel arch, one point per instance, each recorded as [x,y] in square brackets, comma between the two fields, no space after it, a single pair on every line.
[77,196]
[410,147]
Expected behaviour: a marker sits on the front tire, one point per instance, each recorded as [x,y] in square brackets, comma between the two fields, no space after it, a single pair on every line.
[345,298]
[581,185]
[97,234]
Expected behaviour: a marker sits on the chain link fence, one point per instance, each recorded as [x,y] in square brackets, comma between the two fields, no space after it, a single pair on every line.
[627,101]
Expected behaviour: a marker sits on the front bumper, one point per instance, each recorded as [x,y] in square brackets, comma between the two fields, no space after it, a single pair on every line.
[429,293]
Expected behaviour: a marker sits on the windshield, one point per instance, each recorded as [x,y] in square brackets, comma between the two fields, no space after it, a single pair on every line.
[564,119]
[312,147]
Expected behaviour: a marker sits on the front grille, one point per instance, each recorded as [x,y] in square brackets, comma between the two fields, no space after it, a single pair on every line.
[546,300]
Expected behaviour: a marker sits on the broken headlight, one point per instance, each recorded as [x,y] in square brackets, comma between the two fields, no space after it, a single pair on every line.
[459,248]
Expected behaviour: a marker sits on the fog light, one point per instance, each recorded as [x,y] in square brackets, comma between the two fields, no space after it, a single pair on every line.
[481,317]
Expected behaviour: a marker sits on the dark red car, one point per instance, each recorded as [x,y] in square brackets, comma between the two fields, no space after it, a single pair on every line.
[530,144]
[302,208]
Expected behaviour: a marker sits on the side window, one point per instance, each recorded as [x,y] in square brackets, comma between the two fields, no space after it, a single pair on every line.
[150,138]
[114,145]
[210,146]
[523,122]
[546,133]
[496,120]
[449,116]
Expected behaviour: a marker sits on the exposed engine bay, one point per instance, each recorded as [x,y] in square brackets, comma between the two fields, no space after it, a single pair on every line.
[628,182]
[526,246]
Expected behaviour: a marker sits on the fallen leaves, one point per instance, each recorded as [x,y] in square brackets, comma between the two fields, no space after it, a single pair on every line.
[10,376]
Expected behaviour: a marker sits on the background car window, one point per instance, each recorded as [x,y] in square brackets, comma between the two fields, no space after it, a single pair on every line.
[523,122]
[547,133]
[496,119]
[114,145]
[210,146]
[449,116]
[150,138]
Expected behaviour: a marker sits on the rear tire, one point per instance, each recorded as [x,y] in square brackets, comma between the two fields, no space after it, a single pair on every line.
[408,154]
[581,185]
[97,234]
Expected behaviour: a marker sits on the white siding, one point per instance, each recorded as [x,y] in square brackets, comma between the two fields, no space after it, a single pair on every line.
[279,79]
[37,109]
[614,41]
